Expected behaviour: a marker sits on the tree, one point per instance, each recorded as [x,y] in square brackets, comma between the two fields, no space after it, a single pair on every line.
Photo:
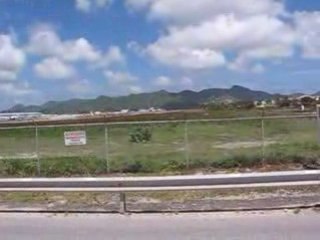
[308,101]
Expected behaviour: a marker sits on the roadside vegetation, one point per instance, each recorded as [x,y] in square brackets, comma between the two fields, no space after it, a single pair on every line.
[168,148]
[171,148]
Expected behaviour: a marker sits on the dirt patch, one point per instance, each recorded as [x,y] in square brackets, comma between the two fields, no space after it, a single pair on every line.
[20,156]
[246,144]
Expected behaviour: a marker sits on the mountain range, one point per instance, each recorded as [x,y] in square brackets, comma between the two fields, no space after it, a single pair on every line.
[161,99]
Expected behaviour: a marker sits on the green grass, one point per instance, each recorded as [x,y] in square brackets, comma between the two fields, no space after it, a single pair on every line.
[224,145]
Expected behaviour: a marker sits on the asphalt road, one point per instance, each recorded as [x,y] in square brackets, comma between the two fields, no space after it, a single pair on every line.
[258,225]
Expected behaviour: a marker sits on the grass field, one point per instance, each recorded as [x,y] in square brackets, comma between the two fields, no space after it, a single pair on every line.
[173,148]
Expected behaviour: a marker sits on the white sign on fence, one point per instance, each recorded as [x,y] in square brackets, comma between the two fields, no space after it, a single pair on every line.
[75,138]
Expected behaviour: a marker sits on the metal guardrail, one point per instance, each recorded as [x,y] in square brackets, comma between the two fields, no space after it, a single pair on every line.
[124,185]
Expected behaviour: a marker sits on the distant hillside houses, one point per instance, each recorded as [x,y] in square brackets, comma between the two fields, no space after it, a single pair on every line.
[265,103]
[311,97]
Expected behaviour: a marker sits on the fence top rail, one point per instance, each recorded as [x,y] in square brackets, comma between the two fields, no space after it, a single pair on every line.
[34,124]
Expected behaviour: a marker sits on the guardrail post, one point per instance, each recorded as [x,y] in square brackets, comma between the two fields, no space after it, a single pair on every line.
[106,147]
[37,149]
[186,144]
[123,204]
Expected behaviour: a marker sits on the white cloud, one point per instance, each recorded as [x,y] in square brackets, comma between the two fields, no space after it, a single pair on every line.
[163,81]
[186,57]
[119,78]
[203,45]
[194,12]
[242,64]
[12,59]
[177,83]
[87,5]
[102,3]
[44,41]
[122,82]
[54,69]
[135,89]
[308,28]
[16,90]
[83,5]
[7,75]
[113,55]
[80,87]
[200,34]
[227,32]
[135,47]
[79,49]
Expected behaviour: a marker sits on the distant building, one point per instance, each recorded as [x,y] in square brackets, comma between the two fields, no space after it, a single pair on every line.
[124,111]
[20,116]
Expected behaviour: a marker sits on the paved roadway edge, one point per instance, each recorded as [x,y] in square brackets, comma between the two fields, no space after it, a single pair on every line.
[286,207]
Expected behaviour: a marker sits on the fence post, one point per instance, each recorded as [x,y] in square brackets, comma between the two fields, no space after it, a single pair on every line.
[318,122]
[263,136]
[37,149]
[106,147]
[186,144]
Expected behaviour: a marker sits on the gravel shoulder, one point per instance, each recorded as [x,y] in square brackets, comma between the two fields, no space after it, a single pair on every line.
[236,200]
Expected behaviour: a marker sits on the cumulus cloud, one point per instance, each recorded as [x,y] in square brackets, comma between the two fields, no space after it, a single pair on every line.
[6,75]
[183,57]
[201,34]
[83,5]
[135,89]
[12,59]
[194,12]
[112,56]
[173,83]
[87,5]
[308,27]
[123,82]
[54,69]
[163,81]
[80,87]
[16,90]
[45,41]
[204,45]
[120,78]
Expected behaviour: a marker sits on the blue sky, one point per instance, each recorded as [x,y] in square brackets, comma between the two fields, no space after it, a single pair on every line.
[61,49]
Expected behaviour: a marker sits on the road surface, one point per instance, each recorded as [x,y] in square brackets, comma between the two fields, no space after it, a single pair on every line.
[258,225]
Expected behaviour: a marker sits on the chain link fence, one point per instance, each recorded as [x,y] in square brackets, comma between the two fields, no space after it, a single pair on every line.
[158,146]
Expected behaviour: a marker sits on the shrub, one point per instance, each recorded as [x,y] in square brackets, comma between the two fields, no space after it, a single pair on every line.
[140,135]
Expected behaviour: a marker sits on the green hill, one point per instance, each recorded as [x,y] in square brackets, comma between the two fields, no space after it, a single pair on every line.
[160,99]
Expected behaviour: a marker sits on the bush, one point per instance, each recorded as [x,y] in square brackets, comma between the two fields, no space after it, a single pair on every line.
[140,135]
[237,161]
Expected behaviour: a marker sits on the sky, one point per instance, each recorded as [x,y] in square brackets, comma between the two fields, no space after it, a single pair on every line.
[63,49]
